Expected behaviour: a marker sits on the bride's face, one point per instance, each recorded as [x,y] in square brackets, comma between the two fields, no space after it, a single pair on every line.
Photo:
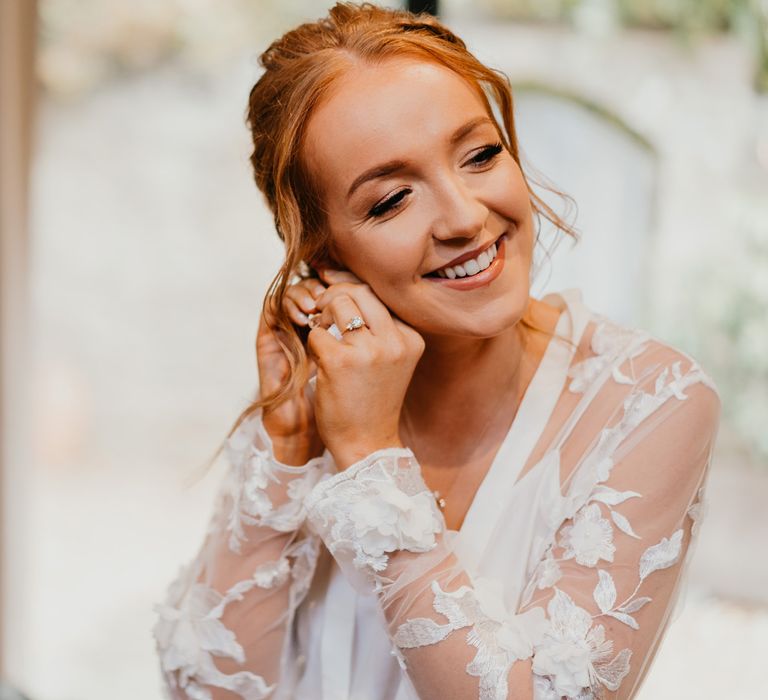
[414,177]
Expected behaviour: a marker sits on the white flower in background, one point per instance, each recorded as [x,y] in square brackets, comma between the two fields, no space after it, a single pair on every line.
[589,539]
[574,654]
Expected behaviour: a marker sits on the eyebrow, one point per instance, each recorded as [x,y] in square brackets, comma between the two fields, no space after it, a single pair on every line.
[393,166]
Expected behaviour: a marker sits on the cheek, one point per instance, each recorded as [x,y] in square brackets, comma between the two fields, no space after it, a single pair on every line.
[508,194]
[386,257]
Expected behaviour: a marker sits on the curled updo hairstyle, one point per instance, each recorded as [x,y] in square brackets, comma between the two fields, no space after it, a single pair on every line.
[299,68]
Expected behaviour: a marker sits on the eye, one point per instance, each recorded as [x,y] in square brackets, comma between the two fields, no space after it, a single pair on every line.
[388,204]
[486,154]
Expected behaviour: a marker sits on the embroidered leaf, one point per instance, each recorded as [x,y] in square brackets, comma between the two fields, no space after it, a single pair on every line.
[605,591]
[635,604]
[419,632]
[623,524]
[458,606]
[696,512]
[612,497]
[661,555]
[620,378]
[611,674]
[626,619]
[603,468]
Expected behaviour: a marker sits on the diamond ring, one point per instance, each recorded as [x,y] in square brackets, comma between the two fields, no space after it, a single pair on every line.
[354,324]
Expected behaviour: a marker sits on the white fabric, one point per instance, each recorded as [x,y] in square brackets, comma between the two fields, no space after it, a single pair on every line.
[327,586]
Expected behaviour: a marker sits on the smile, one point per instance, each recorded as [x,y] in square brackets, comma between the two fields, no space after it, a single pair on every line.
[470,267]
[476,272]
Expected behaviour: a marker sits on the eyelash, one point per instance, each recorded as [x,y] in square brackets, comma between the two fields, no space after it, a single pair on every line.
[485,156]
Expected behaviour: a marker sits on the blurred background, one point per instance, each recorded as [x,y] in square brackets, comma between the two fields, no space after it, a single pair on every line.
[136,251]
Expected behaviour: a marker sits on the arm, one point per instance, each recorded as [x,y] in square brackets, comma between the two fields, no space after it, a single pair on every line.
[602,591]
[221,633]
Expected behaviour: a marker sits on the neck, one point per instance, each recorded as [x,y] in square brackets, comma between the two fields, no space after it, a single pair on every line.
[460,384]
[458,379]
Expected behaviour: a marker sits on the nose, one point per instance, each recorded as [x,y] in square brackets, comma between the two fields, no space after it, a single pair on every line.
[460,214]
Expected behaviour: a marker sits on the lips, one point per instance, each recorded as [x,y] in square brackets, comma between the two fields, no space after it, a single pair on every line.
[476,260]
[483,278]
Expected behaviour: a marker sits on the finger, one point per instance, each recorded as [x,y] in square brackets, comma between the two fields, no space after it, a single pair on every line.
[295,314]
[315,286]
[321,344]
[332,276]
[373,311]
[342,310]
[326,318]
[301,297]
[410,333]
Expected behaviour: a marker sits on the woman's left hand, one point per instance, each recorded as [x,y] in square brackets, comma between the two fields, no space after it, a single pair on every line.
[362,379]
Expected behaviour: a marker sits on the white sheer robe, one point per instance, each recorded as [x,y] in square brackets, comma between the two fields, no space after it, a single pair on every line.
[321,585]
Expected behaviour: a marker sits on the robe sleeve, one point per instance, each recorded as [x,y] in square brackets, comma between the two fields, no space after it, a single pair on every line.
[599,592]
[222,632]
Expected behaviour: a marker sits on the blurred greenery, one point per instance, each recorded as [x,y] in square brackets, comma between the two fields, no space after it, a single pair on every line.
[84,42]
[690,20]
[727,329]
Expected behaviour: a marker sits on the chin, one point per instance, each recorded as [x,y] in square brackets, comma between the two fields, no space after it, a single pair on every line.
[490,320]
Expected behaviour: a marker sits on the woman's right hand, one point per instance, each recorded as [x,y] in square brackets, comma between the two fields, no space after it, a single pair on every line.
[291,425]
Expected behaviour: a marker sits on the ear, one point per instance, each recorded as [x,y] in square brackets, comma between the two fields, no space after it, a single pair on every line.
[327,257]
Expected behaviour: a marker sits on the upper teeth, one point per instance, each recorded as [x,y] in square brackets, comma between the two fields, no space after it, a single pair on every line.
[470,267]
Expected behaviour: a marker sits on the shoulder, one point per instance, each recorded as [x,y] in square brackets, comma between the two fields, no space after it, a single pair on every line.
[644,375]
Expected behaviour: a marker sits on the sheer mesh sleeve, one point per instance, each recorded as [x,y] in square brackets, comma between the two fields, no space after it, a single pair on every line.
[222,631]
[600,585]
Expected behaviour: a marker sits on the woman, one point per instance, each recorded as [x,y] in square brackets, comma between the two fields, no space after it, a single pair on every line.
[448,488]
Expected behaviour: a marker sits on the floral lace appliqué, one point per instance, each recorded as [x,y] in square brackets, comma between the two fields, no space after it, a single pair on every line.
[589,539]
[574,654]
[500,638]
[189,632]
[254,474]
[608,341]
[376,506]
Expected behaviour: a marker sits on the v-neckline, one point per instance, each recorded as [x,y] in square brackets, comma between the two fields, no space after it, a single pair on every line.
[533,413]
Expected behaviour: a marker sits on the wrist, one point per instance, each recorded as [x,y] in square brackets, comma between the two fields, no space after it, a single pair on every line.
[351,453]
[297,450]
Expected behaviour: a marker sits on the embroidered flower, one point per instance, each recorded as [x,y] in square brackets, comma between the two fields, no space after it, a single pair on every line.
[500,637]
[548,572]
[385,519]
[574,654]
[188,630]
[589,539]
[272,573]
[378,505]
[189,633]
[256,478]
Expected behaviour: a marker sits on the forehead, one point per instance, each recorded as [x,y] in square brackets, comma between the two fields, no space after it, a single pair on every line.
[379,112]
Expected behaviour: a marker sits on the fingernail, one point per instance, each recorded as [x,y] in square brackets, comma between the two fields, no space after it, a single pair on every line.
[303,319]
[307,305]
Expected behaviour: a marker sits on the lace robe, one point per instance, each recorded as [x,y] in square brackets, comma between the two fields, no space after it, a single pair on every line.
[315,584]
